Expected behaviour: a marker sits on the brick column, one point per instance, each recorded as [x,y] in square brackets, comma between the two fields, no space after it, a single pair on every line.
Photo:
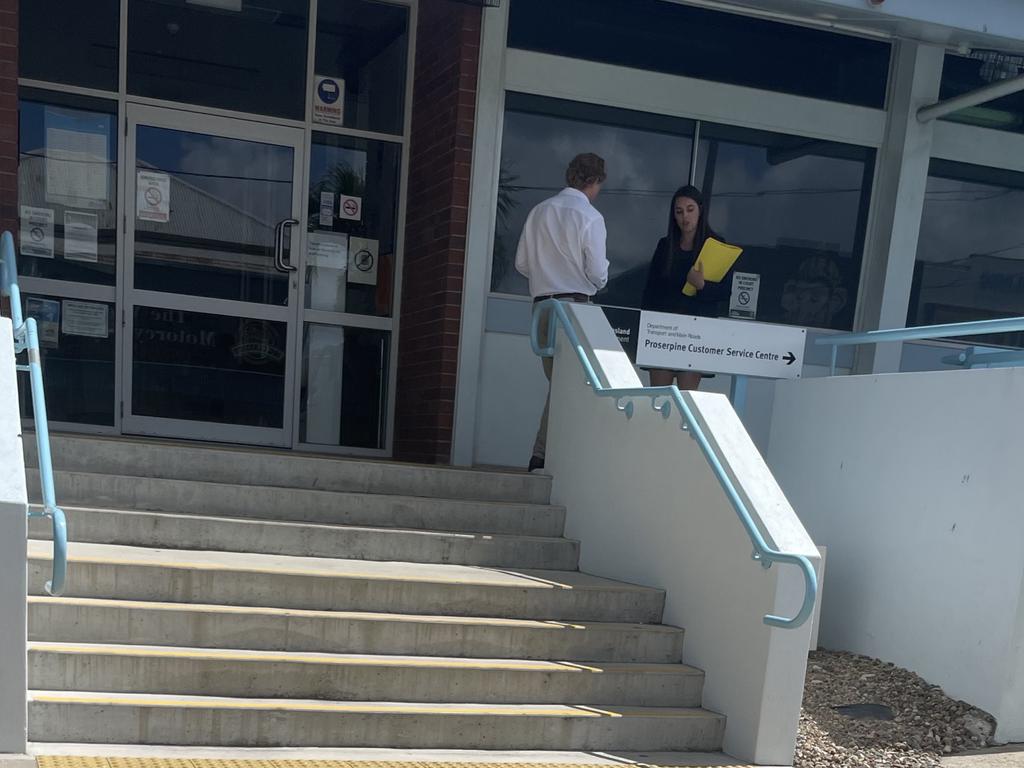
[444,103]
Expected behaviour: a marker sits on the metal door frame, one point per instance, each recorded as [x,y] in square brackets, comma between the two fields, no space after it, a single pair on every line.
[129,296]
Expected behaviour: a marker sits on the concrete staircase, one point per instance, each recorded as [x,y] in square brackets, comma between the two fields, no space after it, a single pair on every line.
[233,597]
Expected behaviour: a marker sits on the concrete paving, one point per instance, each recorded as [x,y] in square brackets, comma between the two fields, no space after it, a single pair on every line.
[1009,756]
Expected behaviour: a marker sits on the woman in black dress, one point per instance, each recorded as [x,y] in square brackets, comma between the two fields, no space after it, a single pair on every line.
[673,265]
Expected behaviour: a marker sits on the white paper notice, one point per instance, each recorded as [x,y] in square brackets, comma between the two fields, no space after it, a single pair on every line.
[153,196]
[80,236]
[362,260]
[326,209]
[745,289]
[328,100]
[84,318]
[47,315]
[36,232]
[350,208]
[77,169]
[327,249]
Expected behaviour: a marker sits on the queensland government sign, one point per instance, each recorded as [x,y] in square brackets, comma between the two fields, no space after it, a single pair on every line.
[737,347]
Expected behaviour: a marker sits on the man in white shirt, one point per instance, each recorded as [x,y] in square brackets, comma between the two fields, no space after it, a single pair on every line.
[562,253]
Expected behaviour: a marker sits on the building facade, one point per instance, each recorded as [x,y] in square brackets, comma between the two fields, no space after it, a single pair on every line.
[292,222]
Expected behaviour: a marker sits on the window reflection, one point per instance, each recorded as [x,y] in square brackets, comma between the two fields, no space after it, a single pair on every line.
[68,41]
[226,197]
[647,157]
[344,386]
[233,54]
[365,45]
[202,367]
[970,253]
[77,340]
[798,207]
[353,214]
[67,180]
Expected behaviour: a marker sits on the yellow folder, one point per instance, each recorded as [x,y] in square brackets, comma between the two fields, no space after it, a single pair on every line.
[717,259]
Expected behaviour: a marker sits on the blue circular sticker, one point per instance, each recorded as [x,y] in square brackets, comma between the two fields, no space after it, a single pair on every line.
[328,91]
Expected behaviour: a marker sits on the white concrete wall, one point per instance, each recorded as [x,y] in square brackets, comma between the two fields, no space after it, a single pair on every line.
[13,532]
[912,481]
[647,508]
[512,388]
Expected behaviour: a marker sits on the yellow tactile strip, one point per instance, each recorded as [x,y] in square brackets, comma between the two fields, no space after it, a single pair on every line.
[73,761]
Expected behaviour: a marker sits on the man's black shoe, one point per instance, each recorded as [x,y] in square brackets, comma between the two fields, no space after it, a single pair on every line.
[536,462]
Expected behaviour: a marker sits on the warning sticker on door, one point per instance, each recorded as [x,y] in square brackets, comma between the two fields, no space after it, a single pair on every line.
[350,208]
[153,196]
[362,260]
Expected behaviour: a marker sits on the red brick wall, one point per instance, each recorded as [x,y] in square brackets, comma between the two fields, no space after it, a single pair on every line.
[444,103]
[8,114]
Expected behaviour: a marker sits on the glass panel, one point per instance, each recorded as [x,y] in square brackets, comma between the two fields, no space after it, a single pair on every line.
[970,253]
[69,41]
[67,188]
[696,42]
[77,341]
[962,74]
[201,367]
[214,235]
[647,156]
[799,209]
[364,47]
[353,214]
[344,383]
[235,54]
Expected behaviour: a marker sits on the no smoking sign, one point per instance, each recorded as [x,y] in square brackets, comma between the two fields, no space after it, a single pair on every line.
[350,208]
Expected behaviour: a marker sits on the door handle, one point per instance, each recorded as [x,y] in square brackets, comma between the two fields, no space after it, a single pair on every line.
[279,261]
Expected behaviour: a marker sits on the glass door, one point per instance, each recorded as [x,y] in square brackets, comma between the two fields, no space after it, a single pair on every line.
[212,209]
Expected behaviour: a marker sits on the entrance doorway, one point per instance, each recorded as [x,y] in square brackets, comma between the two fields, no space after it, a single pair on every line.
[210,282]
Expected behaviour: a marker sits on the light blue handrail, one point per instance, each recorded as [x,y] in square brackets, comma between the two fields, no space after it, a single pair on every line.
[763,553]
[976,328]
[26,339]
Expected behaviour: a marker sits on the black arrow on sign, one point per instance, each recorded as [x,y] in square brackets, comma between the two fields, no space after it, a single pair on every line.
[790,358]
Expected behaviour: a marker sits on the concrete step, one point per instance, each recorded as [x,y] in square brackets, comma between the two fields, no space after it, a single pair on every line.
[182,460]
[278,581]
[125,718]
[83,489]
[171,531]
[86,620]
[356,677]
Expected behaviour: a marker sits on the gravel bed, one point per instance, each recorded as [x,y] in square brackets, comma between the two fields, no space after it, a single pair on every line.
[926,724]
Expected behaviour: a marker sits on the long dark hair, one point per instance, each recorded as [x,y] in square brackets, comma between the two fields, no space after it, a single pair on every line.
[704,230]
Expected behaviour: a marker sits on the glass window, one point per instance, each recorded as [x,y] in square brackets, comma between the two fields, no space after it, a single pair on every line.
[970,252]
[647,158]
[962,74]
[67,187]
[202,367]
[344,386]
[77,341]
[235,54]
[799,208]
[353,213]
[69,41]
[226,197]
[363,46]
[710,45]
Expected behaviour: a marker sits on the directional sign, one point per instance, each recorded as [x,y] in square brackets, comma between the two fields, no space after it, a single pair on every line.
[686,343]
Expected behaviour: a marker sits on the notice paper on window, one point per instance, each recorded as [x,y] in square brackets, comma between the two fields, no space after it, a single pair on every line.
[716,259]
[47,316]
[80,236]
[77,168]
[327,249]
[362,260]
[36,232]
[84,318]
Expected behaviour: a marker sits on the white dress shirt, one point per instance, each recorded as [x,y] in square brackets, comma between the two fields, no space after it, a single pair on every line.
[562,247]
